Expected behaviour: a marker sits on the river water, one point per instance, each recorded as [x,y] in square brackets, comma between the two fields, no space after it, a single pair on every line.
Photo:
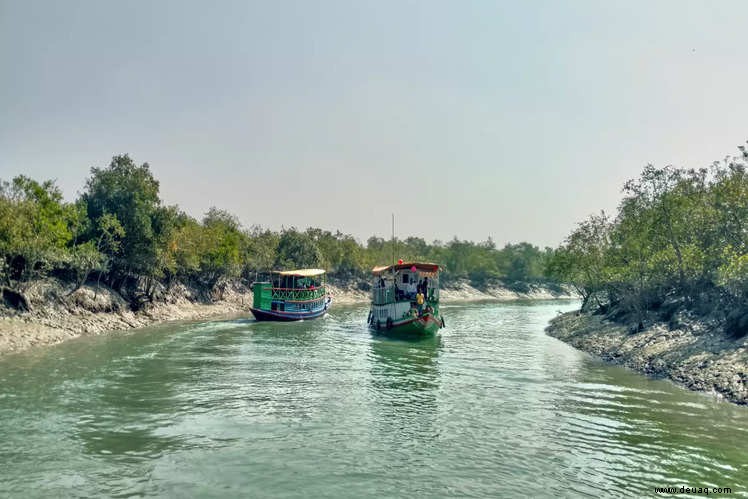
[492,407]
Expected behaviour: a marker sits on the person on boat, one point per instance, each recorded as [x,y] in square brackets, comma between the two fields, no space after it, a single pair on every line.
[399,292]
[419,302]
[426,287]
[409,282]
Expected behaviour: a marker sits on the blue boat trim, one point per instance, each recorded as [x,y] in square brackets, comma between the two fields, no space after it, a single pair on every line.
[291,295]
[277,315]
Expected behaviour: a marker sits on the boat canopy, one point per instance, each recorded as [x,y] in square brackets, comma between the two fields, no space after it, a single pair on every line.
[423,267]
[300,272]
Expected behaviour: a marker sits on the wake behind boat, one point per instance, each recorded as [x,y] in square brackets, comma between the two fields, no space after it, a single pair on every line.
[291,295]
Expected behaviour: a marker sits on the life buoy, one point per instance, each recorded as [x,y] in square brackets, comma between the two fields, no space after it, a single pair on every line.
[389,322]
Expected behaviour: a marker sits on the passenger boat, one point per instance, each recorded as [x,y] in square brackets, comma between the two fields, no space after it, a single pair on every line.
[395,307]
[291,295]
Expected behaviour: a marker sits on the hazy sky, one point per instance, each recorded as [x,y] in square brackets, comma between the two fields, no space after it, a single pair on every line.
[512,119]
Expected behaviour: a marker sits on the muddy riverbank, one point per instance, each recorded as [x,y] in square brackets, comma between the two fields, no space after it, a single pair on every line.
[56,313]
[697,355]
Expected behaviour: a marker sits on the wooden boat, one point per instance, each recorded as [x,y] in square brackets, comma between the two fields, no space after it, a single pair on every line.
[395,307]
[291,295]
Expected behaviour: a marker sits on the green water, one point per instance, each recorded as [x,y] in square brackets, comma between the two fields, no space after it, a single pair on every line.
[492,407]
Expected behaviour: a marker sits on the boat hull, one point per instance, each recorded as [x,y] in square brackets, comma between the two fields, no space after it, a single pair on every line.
[426,325]
[282,316]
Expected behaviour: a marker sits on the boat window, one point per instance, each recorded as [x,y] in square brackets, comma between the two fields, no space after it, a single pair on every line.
[405,278]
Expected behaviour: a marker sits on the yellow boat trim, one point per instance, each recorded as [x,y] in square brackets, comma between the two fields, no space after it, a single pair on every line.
[300,272]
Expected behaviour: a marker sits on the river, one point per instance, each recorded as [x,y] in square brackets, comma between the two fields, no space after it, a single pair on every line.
[491,407]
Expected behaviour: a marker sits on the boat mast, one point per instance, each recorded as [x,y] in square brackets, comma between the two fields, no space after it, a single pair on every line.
[393,239]
[393,252]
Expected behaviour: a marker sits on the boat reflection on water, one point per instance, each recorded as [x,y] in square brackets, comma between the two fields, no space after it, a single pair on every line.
[404,387]
[405,365]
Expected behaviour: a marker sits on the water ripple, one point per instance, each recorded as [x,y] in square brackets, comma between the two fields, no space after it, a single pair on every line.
[491,407]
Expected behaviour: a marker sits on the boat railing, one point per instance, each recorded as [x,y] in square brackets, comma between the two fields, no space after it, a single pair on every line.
[383,296]
[386,295]
[298,294]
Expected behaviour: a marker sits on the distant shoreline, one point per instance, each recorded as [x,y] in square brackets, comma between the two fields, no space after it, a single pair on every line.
[57,315]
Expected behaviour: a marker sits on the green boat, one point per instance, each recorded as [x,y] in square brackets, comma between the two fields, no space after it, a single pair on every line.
[291,295]
[405,299]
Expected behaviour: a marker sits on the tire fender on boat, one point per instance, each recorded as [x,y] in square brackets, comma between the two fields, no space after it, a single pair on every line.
[389,322]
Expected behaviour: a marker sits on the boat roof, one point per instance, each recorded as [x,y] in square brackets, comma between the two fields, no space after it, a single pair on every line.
[300,272]
[425,267]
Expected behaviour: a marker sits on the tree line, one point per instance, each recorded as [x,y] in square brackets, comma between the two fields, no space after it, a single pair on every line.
[120,233]
[679,242]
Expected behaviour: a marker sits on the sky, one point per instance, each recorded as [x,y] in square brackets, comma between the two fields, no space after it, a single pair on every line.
[469,119]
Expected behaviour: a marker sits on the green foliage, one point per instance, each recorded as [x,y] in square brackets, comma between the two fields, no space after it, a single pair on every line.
[35,227]
[183,251]
[733,273]
[111,233]
[340,253]
[85,258]
[297,250]
[222,246]
[130,193]
[523,262]
[259,250]
[119,231]
[89,256]
[581,260]
[679,235]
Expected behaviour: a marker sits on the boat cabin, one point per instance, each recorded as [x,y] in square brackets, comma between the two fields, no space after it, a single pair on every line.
[395,300]
[291,295]
[402,282]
